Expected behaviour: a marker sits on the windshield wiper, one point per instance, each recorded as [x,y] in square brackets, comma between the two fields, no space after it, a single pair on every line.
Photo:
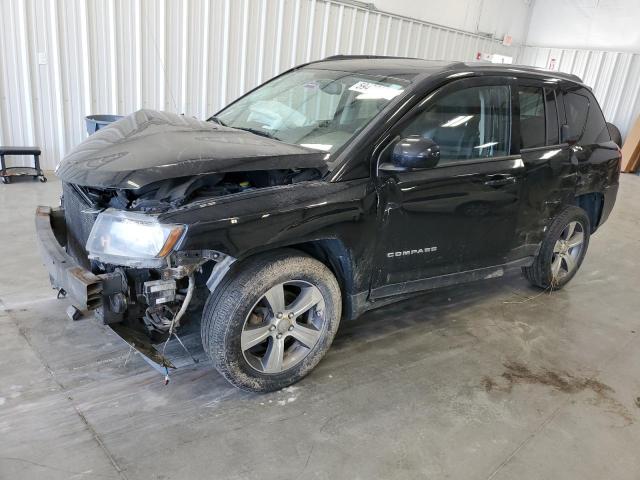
[255,131]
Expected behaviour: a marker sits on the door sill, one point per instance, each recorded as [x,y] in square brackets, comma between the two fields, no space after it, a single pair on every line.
[447,280]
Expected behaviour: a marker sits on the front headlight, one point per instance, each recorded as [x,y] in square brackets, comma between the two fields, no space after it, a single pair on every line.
[132,238]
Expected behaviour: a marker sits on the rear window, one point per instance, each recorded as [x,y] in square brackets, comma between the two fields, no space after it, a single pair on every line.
[585,118]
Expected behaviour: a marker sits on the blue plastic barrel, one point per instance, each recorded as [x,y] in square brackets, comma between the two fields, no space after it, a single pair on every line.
[96,122]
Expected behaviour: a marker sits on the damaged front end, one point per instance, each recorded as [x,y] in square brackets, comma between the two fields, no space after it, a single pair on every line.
[145,304]
[110,249]
[138,281]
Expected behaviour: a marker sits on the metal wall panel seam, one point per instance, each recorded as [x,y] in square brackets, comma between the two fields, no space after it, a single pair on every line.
[184,55]
[205,57]
[363,42]
[312,17]
[325,28]
[339,30]
[296,27]
[278,51]
[61,124]
[29,137]
[352,28]
[137,24]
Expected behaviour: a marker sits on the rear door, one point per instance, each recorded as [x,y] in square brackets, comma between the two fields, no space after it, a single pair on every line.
[550,171]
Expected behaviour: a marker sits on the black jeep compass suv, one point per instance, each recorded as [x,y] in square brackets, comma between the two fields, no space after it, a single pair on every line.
[336,187]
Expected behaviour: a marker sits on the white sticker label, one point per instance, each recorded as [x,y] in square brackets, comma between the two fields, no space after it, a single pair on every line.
[317,146]
[374,91]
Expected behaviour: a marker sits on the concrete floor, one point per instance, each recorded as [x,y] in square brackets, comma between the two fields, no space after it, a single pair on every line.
[486,381]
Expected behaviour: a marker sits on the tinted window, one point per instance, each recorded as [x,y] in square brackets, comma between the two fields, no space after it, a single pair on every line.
[532,124]
[596,130]
[585,118]
[576,108]
[552,118]
[468,124]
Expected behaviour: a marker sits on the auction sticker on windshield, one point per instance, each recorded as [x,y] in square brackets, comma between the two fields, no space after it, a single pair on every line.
[375,90]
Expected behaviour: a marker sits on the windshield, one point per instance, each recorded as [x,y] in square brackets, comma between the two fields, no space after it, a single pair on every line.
[319,109]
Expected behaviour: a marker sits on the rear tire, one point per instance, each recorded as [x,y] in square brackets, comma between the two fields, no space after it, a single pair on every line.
[562,250]
[271,320]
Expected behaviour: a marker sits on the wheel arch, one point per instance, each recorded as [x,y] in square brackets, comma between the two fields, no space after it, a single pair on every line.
[592,203]
[335,255]
[331,252]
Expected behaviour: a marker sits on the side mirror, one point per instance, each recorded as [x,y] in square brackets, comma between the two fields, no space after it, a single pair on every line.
[565,135]
[413,153]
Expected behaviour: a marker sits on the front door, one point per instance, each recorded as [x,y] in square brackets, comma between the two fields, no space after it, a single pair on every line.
[460,215]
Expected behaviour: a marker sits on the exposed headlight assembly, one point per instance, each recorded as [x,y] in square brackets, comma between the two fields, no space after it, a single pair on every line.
[132,239]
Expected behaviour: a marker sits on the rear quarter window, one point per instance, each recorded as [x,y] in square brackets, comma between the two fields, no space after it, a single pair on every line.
[596,130]
[584,117]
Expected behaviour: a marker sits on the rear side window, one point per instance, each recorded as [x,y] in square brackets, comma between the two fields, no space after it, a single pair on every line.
[467,124]
[585,119]
[532,123]
[553,137]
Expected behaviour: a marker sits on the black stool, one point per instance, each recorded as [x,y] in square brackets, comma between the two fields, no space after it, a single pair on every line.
[34,171]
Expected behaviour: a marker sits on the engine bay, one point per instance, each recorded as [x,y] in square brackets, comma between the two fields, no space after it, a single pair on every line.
[172,193]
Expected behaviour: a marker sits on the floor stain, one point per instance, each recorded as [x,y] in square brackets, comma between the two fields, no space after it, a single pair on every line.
[517,373]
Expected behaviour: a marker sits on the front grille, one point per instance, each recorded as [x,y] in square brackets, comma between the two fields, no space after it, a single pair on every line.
[79,220]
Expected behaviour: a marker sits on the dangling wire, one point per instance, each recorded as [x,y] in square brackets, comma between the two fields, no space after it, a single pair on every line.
[175,322]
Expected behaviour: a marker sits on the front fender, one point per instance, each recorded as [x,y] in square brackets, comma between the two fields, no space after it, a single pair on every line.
[253,221]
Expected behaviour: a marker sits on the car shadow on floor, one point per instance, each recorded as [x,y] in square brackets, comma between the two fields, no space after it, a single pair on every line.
[435,308]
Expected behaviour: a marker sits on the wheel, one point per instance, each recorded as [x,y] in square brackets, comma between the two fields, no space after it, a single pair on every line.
[6,180]
[562,250]
[42,178]
[271,320]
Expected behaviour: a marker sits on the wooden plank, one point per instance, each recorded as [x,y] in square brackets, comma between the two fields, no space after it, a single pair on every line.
[631,148]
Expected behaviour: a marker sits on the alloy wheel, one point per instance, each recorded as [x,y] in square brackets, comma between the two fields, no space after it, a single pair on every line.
[283,327]
[567,251]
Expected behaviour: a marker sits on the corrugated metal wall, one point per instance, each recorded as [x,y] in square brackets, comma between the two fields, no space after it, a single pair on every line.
[63,60]
[614,77]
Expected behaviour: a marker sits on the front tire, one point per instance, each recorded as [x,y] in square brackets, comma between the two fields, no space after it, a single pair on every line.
[562,250]
[271,320]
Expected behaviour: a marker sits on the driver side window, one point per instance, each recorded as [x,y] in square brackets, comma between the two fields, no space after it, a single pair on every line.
[467,124]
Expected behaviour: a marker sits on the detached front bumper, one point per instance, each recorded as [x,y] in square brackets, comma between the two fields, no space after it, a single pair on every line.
[86,290]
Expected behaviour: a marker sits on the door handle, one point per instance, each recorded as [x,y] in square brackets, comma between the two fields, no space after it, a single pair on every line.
[498,180]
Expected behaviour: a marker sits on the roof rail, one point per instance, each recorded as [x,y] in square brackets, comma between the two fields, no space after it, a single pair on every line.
[552,73]
[356,57]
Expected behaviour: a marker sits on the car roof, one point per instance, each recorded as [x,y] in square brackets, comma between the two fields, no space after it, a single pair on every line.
[411,68]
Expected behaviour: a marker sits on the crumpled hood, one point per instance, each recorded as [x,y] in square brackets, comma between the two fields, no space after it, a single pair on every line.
[148,146]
